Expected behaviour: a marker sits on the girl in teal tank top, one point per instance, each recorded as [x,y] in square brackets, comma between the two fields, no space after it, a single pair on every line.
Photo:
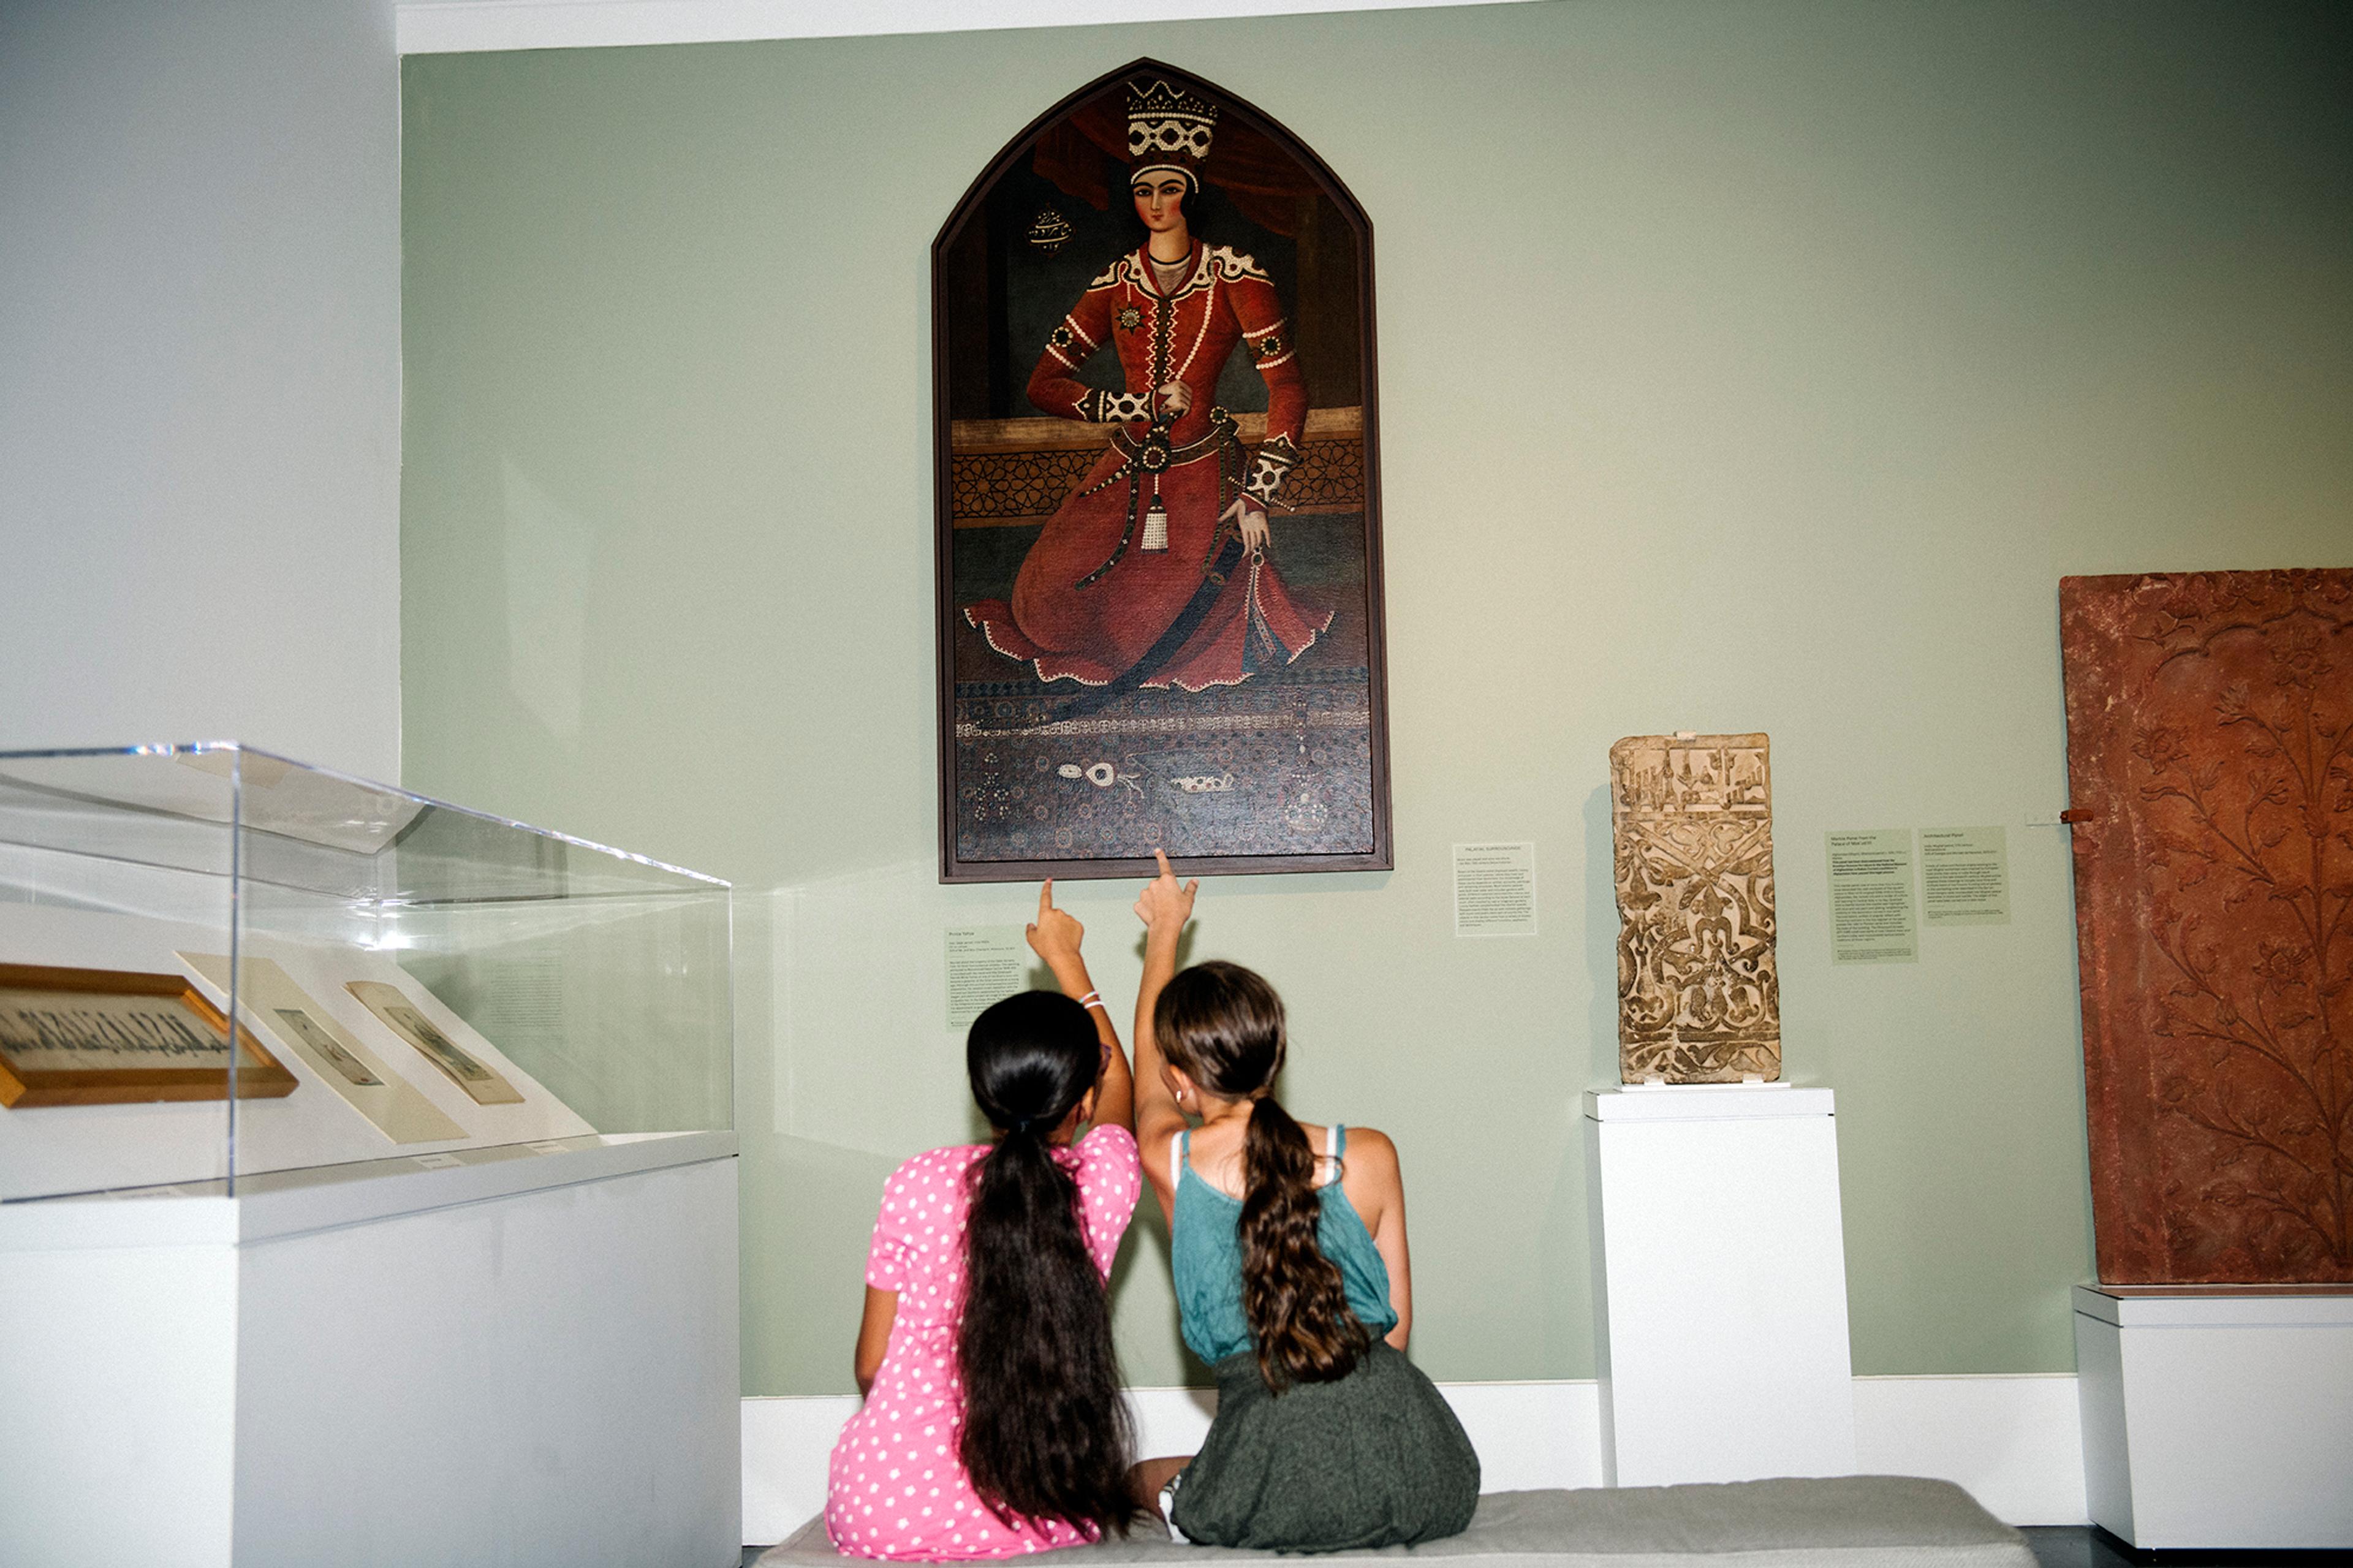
[1292,1280]
[1206,1242]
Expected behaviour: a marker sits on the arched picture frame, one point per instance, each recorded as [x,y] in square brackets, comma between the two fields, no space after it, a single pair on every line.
[1158,498]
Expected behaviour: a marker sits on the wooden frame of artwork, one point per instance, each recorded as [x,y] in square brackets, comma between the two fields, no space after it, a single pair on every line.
[1124,663]
[139,1020]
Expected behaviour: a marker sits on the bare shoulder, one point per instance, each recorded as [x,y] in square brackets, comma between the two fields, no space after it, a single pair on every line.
[1368,1166]
[1155,1141]
[1375,1148]
[1368,1173]
[1155,1130]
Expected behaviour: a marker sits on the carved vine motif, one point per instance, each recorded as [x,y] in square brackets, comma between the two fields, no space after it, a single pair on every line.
[2244,766]
[1699,997]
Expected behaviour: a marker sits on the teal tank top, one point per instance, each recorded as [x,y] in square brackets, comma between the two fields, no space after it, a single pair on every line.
[1206,1257]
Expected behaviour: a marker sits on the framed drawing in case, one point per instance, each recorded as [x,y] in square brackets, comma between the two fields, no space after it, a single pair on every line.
[1158,498]
[102,1037]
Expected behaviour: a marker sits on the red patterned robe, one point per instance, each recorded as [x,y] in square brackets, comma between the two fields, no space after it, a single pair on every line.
[1126,554]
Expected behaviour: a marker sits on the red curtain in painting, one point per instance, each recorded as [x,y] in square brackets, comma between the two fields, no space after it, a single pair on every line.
[1265,184]
[2209,755]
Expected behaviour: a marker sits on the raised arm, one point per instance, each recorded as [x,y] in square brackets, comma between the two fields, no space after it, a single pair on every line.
[1056,936]
[1163,907]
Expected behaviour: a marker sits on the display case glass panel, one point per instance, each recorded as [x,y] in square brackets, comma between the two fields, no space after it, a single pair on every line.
[414,984]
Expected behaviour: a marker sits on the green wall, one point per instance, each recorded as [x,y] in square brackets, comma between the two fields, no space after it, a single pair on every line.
[1743,367]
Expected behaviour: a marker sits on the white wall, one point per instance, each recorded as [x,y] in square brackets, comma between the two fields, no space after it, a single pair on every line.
[200,375]
[457,27]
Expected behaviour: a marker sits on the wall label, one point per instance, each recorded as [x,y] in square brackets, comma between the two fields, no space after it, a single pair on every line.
[1872,919]
[1964,877]
[985,965]
[1494,889]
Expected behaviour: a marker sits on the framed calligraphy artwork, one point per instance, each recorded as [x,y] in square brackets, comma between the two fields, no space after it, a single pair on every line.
[102,1037]
[1158,498]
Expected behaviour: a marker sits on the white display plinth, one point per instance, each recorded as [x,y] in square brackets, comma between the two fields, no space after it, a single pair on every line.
[1719,1284]
[2218,1417]
[514,1355]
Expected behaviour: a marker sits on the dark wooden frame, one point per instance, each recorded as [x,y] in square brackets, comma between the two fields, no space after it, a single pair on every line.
[1381,857]
[259,1075]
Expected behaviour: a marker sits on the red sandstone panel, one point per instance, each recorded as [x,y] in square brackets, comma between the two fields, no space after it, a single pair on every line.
[2210,741]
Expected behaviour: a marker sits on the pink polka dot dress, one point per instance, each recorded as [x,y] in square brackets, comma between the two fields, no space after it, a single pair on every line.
[895,1487]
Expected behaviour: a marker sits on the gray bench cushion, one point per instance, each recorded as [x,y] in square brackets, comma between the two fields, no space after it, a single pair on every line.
[1845,1522]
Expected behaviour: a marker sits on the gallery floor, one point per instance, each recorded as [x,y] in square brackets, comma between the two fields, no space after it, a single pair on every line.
[2080,1546]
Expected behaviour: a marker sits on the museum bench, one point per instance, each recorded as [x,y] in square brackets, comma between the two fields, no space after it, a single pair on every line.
[1840,1521]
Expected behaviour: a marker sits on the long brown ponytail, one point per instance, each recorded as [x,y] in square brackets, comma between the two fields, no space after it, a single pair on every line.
[1297,1307]
[1223,1025]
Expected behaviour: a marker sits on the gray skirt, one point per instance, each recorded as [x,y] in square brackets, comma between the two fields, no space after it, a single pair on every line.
[1373,1460]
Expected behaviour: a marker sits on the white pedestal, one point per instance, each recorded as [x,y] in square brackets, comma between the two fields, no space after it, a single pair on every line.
[2216,1419]
[518,1359]
[1719,1284]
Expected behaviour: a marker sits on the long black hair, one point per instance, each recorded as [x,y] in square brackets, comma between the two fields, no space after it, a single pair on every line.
[1223,1025]
[1046,1433]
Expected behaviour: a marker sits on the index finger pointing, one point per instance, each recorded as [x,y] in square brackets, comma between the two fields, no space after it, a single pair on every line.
[1045,897]
[1162,855]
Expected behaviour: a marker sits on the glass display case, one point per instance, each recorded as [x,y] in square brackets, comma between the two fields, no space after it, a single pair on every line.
[413,985]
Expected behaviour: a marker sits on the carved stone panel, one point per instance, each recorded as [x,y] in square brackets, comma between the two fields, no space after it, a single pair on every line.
[1699,999]
[2209,766]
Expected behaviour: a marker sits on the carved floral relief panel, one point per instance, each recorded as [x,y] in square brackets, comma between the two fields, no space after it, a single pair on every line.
[1699,998]
[2210,750]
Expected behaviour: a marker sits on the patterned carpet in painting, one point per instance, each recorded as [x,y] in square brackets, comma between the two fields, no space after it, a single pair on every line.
[1281,765]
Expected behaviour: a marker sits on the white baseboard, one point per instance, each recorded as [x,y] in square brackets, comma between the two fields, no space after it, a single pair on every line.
[2015,1442]
[786,1443]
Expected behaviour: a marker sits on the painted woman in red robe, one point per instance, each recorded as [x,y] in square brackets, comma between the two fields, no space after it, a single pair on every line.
[1156,572]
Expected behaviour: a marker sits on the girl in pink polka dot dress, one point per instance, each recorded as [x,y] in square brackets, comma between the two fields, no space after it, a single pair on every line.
[993,1424]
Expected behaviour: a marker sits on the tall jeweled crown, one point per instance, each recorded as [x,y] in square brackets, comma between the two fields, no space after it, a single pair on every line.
[1168,127]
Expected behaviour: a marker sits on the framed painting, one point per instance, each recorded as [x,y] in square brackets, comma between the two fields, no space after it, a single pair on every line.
[1158,505]
[104,1037]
